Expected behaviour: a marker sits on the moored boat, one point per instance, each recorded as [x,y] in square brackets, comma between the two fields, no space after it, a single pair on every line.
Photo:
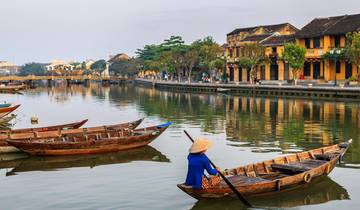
[4,105]
[73,125]
[108,141]
[57,132]
[12,88]
[7,110]
[274,175]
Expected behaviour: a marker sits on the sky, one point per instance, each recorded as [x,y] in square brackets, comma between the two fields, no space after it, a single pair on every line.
[76,30]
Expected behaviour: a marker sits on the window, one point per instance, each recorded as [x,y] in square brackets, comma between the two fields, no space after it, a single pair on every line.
[230,52]
[262,72]
[337,40]
[316,42]
[307,69]
[338,67]
[307,43]
[273,49]
[348,70]
[237,52]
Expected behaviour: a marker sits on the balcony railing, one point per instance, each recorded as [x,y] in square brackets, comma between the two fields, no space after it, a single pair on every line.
[314,53]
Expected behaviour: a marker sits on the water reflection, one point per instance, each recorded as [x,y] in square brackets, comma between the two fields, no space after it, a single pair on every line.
[321,190]
[20,162]
[265,124]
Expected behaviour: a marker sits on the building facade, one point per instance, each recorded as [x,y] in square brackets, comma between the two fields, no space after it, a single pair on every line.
[7,68]
[273,37]
[321,36]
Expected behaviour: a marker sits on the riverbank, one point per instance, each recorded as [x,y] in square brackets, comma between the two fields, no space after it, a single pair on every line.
[309,91]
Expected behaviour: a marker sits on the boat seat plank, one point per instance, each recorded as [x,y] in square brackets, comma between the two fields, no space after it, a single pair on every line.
[298,167]
[273,176]
[326,156]
[242,180]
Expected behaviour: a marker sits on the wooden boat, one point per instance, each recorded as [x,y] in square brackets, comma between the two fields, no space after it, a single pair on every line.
[12,88]
[7,119]
[108,141]
[4,105]
[7,110]
[31,134]
[321,190]
[24,163]
[275,175]
[73,125]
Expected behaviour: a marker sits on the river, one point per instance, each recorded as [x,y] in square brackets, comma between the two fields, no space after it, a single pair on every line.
[243,129]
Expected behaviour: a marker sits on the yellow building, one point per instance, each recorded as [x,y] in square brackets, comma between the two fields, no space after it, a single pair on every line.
[273,37]
[319,37]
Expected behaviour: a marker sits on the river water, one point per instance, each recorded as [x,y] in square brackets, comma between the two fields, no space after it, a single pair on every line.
[243,129]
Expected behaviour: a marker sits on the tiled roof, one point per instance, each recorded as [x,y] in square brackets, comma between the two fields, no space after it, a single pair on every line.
[256,38]
[278,40]
[330,26]
[268,28]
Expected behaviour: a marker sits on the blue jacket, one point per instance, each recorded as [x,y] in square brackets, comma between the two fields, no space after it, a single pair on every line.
[197,164]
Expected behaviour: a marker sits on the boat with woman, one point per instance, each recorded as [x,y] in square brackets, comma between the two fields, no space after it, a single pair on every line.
[93,143]
[274,175]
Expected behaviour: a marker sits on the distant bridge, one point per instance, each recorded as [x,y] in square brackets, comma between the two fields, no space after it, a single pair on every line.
[65,77]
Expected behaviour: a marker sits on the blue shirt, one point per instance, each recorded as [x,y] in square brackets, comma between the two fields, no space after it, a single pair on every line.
[197,164]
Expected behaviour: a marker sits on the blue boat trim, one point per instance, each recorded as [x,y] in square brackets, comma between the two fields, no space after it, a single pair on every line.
[164,125]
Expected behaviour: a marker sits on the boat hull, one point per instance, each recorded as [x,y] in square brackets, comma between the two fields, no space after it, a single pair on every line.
[251,180]
[111,143]
[58,131]
[7,110]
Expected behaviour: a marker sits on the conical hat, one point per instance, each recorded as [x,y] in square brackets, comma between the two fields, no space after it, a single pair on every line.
[199,145]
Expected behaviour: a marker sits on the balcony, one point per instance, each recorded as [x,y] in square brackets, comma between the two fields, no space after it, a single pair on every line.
[314,53]
[273,55]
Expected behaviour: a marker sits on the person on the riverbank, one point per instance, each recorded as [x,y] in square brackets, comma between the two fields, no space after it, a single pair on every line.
[198,162]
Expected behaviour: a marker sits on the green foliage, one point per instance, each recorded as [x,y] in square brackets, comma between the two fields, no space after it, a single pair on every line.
[125,67]
[37,69]
[174,56]
[218,64]
[295,56]
[352,79]
[252,55]
[335,54]
[99,65]
[352,48]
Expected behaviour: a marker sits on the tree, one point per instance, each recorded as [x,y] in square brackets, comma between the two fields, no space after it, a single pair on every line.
[295,56]
[83,65]
[334,55]
[125,67]
[219,65]
[252,55]
[191,59]
[37,69]
[352,49]
[99,65]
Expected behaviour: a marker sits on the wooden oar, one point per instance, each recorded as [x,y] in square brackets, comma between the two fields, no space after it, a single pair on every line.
[238,194]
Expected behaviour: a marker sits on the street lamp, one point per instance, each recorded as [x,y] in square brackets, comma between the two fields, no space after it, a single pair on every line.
[336,55]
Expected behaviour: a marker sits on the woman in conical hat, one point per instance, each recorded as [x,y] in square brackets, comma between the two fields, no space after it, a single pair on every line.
[198,162]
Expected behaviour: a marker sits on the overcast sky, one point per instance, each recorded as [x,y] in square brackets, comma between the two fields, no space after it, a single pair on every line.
[43,30]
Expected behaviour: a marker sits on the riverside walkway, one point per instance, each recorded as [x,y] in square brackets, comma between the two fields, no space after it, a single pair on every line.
[303,91]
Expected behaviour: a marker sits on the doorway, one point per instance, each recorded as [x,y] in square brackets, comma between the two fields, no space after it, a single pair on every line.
[274,72]
[231,70]
[316,70]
